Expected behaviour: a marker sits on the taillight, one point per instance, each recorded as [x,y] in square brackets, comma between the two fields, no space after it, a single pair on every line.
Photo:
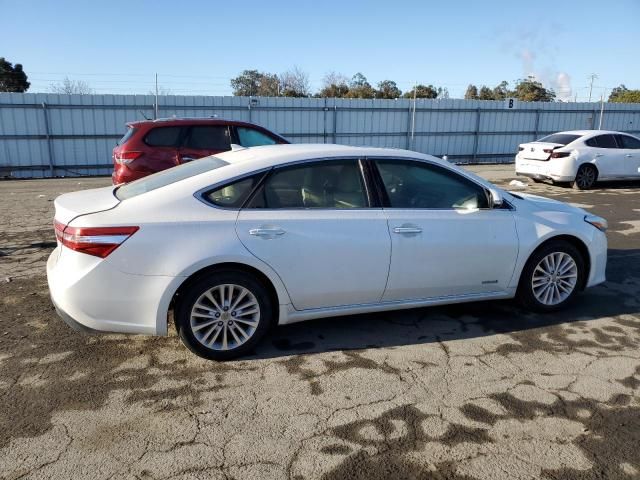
[127,157]
[97,241]
[559,154]
[520,149]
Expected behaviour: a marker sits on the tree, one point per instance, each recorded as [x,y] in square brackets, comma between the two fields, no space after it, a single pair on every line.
[531,90]
[501,91]
[443,92]
[334,85]
[622,94]
[252,82]
[12,78]
[294,83]
[471,93]
[359,87]
[423,91]
[388,89]
[485,93]
[69,87]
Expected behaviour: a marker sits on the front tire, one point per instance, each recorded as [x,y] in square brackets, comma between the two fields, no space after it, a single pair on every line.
[224,315]
[552,277]
[586,177]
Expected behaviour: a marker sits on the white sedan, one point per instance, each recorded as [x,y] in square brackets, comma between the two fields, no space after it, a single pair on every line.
[581,157]
[237,242]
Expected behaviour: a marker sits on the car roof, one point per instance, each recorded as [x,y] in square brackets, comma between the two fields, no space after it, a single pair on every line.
[589,132]
[176,121]
[266,156]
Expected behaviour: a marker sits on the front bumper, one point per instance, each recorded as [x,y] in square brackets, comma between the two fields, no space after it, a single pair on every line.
[598,256]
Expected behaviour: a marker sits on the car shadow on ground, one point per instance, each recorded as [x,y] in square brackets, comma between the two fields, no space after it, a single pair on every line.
[603,185]
[619,296]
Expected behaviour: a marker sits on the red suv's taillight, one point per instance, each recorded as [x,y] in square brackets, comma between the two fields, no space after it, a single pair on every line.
[97,241]
[126,157]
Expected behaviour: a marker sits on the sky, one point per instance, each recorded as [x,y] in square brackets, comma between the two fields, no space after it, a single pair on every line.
[197,46]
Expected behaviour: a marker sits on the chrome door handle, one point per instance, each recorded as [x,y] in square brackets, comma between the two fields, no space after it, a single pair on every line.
[187,159]
[629,155]
[407,229]
[599,155]
[266,232]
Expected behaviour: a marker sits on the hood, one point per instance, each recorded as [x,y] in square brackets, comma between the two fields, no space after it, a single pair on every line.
[548,204]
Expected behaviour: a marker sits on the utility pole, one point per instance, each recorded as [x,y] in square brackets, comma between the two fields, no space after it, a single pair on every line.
[593,76]
[155,111]
[601,111]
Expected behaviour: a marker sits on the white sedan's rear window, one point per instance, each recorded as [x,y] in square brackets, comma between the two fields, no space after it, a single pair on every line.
[559,138]
[167,177]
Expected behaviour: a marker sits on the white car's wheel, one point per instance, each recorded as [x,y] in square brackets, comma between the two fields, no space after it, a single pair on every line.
[552,277]
[224,315]
[586,177]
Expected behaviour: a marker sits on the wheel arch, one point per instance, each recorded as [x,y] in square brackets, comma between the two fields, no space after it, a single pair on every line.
[576,242]
[275,288]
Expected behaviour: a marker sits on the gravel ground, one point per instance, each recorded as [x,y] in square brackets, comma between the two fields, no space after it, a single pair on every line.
[474,391]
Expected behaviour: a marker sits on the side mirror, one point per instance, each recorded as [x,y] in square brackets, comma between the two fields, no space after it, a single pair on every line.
[495,198]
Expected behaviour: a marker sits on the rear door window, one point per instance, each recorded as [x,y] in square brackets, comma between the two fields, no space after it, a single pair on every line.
[249,137]
[164,137]
[602,141]
[209,137]
[324,184]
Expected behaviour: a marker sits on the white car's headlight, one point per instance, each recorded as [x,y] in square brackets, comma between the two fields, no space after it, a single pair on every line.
[598,222]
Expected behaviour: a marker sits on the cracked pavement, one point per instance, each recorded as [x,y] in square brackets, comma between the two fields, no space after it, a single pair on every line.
[473,391]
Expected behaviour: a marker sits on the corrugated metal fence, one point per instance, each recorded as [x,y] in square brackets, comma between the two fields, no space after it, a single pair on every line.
[49,134]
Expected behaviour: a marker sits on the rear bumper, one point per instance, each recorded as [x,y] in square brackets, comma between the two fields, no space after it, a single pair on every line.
[540,176]
[91,295]
[558,170]
[77,326]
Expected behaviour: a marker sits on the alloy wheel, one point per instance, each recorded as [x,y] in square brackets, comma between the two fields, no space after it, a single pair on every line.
[225,317]
[554,278]
[585,177]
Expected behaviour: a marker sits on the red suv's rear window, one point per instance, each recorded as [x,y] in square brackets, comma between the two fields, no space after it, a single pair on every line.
[127,135]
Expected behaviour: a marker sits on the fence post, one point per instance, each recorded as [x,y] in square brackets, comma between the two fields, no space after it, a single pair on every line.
[476,134]
[335,124]
[408,143]
[48,135]
[324,121]
[537,124]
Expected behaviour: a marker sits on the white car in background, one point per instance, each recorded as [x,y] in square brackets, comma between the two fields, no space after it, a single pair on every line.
[237,242]
[581,157]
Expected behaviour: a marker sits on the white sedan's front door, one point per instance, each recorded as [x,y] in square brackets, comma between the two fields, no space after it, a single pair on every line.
[312,224]
[445,238]
[450,252]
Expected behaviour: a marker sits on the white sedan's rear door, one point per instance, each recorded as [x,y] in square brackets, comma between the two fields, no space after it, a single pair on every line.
[312,224]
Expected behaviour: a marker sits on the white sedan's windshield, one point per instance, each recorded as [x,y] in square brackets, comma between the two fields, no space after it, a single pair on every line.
[167,177]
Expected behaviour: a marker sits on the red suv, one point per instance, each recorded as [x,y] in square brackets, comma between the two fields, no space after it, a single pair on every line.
[153,145]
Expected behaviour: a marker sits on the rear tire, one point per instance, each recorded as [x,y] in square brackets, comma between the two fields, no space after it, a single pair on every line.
[552,277]
[224,315]
[586,177]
